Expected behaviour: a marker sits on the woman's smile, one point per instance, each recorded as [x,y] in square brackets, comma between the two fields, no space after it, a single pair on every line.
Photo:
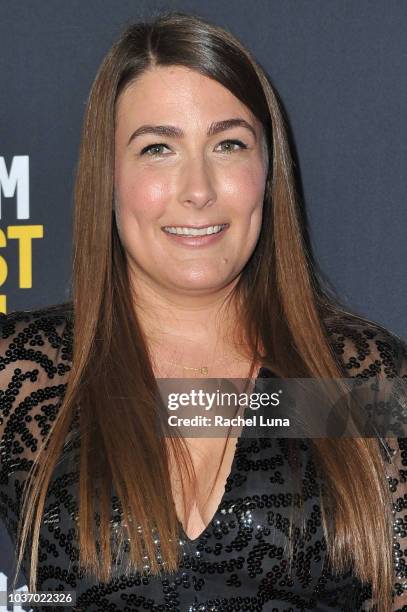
[194,237]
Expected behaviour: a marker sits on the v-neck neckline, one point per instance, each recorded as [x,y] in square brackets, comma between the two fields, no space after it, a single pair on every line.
[262,373]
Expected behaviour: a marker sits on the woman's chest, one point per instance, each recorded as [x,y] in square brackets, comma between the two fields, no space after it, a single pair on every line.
[241,552]
[256,497]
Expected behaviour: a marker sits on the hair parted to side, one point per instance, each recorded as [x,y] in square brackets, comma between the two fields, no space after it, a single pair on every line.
[282,303]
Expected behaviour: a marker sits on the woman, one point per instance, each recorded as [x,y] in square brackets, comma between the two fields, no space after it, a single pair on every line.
[182,133]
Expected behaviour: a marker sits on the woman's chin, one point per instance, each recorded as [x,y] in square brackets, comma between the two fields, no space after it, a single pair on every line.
[195,284]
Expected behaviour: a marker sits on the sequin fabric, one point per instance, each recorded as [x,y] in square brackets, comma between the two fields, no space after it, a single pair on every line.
[239,562]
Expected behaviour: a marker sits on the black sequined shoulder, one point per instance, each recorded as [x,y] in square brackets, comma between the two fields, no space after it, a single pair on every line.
[239,562]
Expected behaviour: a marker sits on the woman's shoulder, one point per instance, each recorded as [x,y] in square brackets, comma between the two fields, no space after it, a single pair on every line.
[35,358]
[36,335]
[55,316]
[26,333]
[364,347]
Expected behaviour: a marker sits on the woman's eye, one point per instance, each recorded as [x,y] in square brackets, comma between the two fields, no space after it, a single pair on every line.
[151,150]
[229,146]
[231,143]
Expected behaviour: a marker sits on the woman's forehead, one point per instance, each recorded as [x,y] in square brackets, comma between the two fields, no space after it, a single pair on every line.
[178,93]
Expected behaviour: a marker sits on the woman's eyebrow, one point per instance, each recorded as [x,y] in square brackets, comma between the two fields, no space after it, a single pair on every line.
[175,132]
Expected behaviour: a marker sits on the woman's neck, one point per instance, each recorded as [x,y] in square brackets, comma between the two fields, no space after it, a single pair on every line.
[198,324]
[191,336]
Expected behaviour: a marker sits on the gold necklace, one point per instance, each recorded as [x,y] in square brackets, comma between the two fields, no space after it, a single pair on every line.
[202,370]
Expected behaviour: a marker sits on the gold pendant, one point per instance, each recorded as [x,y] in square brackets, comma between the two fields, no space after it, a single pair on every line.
[202,370]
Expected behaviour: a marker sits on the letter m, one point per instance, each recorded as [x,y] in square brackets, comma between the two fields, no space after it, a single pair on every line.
[17,181]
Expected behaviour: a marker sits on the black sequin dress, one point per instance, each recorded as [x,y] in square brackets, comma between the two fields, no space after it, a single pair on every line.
[239,562]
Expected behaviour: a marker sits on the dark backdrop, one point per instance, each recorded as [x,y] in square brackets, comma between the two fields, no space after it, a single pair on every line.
[340,69]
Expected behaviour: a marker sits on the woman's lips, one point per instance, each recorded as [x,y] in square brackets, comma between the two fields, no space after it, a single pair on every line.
[196,241]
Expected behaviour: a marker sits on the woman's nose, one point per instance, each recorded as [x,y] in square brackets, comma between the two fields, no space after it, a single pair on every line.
[196,183]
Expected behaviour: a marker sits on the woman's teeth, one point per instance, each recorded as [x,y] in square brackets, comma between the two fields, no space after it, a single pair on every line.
[189,231]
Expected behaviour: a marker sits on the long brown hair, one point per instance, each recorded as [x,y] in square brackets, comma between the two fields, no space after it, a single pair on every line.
[282,301]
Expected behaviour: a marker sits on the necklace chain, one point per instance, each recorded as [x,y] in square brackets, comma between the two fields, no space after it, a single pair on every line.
[204,370]
[201,370]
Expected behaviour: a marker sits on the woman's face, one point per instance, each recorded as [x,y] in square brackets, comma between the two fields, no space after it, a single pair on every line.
[180,162]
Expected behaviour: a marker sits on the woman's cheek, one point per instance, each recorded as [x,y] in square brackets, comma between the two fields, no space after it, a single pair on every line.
[134,201]
[248,177]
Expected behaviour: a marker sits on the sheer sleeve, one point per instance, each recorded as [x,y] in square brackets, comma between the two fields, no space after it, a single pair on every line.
[369,352]
[34,362]
[397,479]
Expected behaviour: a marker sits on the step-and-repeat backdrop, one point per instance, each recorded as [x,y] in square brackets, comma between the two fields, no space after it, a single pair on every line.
[339,67]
